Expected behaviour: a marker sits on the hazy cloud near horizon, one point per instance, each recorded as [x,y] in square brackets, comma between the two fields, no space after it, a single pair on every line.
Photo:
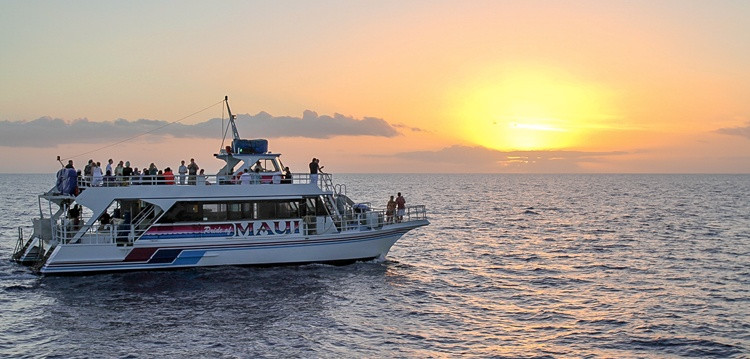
[742,131]
[458,157]
[50,132]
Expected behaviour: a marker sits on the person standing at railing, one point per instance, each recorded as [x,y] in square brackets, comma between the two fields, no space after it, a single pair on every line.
[135,179]
[390,208]
[109,179]
[153,172]
[192,171]
[109,166]
[70,183]
[245,177]
[401,205]
[287,176]
[87,172]
[127,171]
[315,168]
[182,171]
[97,176]
[118,170]
[168,176]
[202,180]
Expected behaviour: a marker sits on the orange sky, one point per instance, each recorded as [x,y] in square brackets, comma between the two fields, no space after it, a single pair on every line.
[477,86]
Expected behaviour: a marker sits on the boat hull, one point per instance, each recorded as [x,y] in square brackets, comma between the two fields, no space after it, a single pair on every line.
[186,252]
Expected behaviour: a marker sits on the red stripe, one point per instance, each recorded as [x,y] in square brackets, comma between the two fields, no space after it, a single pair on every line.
[140,254]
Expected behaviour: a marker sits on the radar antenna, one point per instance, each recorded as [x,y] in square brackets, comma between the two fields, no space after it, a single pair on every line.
[235,134]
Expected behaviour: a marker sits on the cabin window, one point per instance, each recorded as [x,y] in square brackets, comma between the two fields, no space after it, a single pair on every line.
[266,210]
[214,212]
[223,211]
[269,165]
[238,211]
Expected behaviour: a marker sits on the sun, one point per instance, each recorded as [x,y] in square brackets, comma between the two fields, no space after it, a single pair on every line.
[527,110]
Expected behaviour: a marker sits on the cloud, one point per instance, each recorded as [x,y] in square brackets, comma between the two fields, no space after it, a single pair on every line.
[742,131]
[480,159]
[50,132]
[412,129]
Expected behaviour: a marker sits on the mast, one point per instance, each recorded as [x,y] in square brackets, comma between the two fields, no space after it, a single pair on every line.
[235,134]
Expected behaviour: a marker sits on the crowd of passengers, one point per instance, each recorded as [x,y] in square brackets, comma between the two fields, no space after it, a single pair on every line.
[122,175]
[68,178]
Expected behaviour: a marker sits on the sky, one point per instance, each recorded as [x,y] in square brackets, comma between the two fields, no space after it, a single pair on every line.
[380,86]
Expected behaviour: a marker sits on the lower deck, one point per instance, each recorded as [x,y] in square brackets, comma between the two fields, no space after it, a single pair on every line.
[195,252]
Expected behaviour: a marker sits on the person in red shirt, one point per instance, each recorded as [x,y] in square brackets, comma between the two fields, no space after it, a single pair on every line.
[168,176]
[401,205]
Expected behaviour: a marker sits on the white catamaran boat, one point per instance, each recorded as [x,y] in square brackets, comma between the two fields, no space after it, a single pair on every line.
[232,218]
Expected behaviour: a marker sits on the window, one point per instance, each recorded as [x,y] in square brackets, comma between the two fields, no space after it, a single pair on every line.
[232,211]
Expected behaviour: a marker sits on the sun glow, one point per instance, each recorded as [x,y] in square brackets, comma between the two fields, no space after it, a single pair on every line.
[529,111]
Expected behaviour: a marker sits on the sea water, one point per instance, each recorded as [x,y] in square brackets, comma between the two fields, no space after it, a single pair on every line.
[511,266]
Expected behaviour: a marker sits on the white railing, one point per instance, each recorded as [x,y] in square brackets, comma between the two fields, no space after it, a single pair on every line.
[96,234]
[377,218]
[68,233]
[262,178]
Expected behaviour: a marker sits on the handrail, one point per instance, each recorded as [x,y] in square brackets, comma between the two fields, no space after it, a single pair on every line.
[351,220]
[199,180]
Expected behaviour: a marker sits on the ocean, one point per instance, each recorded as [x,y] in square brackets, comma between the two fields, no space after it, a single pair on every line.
[516,266]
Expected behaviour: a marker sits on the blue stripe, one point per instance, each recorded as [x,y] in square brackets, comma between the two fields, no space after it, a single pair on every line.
[189,257]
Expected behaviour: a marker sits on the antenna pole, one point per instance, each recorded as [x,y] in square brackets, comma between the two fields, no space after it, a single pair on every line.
[235,134]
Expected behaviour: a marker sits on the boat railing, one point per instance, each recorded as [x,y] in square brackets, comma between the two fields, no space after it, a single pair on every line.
[67,232]
[200,180]
[373,218]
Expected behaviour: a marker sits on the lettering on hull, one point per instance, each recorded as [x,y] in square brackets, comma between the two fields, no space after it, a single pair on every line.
[243,229]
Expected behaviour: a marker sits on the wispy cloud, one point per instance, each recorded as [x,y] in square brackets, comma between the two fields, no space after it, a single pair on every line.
[412,129]
[464,158]
[742,131]
[50,132]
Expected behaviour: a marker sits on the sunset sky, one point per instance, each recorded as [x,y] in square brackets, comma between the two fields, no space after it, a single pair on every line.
[381,86]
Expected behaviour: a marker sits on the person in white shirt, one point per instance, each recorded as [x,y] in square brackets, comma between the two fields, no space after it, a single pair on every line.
[245,177]
[182,170]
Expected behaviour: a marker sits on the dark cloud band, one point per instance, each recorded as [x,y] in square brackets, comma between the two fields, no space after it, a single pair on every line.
[49,132]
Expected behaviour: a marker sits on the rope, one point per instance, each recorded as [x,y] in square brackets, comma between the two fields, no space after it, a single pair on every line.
[142,134]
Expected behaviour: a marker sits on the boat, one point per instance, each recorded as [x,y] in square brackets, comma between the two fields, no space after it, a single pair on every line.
[249,213]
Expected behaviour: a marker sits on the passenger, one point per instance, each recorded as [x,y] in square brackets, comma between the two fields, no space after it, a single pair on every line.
[287,176]
[127,171]
[104,221]
[389,210]
[182,170]
[59,184]
[315,168]
[257,178]
[70,183]
[109,180]
[160,179]
[258,167]
[192,171]
[118,170]
[401,205]
[135,179]
[202,178]
[109,166]
[168,176]
[123,230]
[87,172]
[245,177]
[74,214]
[276,178]
[146,178]
[154,173]
[97,176]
